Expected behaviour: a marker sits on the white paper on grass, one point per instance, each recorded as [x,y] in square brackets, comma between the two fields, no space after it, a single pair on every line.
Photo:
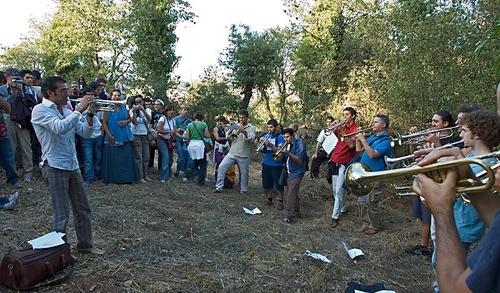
[381,291]
[317,256]
[255,211]
[48,240]
[353,252]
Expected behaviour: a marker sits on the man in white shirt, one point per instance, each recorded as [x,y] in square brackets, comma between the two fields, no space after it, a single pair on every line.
[55,127]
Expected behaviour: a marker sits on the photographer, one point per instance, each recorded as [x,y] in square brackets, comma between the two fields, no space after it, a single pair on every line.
[19,120]
[141,116]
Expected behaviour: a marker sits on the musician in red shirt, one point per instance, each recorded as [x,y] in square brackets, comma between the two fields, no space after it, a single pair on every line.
[342,154]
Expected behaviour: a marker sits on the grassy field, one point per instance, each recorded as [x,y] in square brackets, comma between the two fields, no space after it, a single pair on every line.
[182,237]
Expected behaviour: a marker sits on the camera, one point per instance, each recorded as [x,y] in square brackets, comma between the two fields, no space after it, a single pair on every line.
[17,83]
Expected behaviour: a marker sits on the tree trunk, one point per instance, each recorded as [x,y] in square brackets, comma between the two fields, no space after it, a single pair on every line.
[266,101]
[247,95]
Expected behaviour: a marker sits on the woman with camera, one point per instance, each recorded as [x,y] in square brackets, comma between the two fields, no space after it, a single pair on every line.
[140,119]
[165,141]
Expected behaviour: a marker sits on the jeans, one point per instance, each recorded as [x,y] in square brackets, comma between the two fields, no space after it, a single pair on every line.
[199,166]
[243,165]
[167,159]
[183,159]
[7,160]
[338,192]
[92,154]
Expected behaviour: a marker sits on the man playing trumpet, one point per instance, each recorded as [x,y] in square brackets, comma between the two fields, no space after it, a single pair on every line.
[479,272]
[241,142]
[373,149]
[342,154]
[272,168]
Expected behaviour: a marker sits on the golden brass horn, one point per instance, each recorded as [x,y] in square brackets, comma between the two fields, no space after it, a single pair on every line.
[360,179]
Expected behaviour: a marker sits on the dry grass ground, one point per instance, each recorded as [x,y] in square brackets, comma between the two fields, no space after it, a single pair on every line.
[182,237]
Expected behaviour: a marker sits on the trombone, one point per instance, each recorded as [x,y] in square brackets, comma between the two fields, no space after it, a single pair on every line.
[410,138]
[101,105]
[348,135]
[360,179]
[392,162]
[276,155]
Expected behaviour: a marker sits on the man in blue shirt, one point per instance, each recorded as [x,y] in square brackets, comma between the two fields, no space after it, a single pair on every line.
[271,168]
[55,127]
[480,271]
[373,149]
[296,168]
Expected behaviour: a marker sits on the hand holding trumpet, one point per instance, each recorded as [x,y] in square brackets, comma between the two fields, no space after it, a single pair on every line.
[84,103]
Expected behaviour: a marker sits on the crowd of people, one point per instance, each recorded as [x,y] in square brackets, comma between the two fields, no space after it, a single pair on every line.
[452,225]
[80,134]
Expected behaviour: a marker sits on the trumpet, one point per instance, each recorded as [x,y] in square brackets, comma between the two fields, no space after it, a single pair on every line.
[234,130]
[329,130]
[101,105]
[276,156]
[262,143]
[410,138]
[348,135]
[360,180]
[392,162]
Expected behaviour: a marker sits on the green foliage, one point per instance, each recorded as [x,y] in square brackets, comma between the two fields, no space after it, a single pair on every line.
[252,59]
[406,58]
[78,39]
[134,39]
[213,97]
[151,24]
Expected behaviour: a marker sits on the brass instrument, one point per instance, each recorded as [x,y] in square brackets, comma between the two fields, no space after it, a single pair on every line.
[419,136]
[329,130]
[234,130]
[344,135]
[101,105]
[262,143]
[360,180]
[276,156]
[392,162]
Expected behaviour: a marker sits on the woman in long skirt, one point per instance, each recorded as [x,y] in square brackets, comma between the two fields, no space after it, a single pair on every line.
[118,162]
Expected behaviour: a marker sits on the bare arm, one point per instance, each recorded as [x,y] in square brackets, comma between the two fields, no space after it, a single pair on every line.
[451,265]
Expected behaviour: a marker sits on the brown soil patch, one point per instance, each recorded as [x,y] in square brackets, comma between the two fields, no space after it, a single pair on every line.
[182,237]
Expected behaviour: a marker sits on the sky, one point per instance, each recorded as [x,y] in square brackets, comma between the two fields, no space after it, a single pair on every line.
[199,44]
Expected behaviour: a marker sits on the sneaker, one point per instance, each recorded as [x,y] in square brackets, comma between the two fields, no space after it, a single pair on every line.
[28,177]
[12,201]
[217,191]
[334,223]
[163,181]
[148,179]
[418,250]
[289,220]
[184,179]
[142,181]
[91,250]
